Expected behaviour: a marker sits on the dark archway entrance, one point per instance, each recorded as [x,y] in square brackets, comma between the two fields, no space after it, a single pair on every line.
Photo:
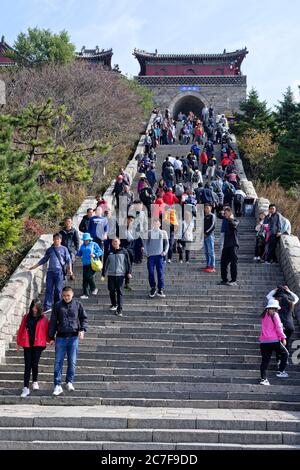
[186,104]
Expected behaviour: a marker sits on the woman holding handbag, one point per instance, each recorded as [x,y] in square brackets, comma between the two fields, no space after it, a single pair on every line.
[90,253]
[32,336]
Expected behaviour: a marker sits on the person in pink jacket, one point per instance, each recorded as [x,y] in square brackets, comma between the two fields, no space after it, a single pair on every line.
[272,338]
[33,337]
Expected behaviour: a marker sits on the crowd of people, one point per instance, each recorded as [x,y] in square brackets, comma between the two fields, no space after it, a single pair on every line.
[158,221]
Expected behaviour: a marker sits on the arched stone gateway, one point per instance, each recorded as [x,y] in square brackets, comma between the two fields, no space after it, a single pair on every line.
[216,77]
[186,102]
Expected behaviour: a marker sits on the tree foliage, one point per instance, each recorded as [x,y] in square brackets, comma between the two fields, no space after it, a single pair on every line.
[39,46]
[258,150]
[255,114]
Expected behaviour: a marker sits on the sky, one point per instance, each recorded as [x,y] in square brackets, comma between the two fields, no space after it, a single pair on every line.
[268,28]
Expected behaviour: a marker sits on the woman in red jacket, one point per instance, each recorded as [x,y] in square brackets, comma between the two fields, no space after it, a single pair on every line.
[32,336]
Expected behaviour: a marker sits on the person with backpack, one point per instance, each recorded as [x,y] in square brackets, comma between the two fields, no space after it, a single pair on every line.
[156,246]
[70,239]
[196,179]
[160,190]
[169,175]
[88,250]
[272,338]
[204,162]
[287,301]
[59,264]
[186,237]
[98,227]
[68,324]
[209,148]
[228,191]
[178,167]
[151,175]
[171,224]
[117,268]
[147,197]
[209,239]
[32,336]
[238,202]
[230,247]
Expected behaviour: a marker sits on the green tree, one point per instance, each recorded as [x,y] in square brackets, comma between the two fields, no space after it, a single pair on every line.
[39,46]
[10,226]
[258,151]
[40,131]
[255,114]
[21,179]
[284,116]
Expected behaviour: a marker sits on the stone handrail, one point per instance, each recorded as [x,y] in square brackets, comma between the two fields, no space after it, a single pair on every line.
[25,285]
[288,254]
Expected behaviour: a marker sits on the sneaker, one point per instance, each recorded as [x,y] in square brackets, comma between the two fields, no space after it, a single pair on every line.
[84,296]
[95,292]
[232,283]
[102,278]
[208,270]
[223,283]
[25,392]
[282,375]
[35,386]
[113,308]
[187,262]
[180,261]
[204,269]
[57,390]
[264,382]
[70,387]
[161,293]
[129,288]
[255,258]
[169,261]
[152,292]
[119,313]
[72,277]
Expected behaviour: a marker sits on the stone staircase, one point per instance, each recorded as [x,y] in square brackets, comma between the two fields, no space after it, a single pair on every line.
[174,373]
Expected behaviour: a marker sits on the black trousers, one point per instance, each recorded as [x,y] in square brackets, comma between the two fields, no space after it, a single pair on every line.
[32,358]
[88,279]
[266,352]
[229,256]
[115,284]
[288,331]
[271,250]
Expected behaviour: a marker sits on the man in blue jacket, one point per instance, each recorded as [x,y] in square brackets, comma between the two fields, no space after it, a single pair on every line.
[59,263]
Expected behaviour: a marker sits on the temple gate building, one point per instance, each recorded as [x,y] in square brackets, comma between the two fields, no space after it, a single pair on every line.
[188,82]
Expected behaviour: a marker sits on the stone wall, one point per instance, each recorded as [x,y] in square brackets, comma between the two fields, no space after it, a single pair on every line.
[223,98]
[24,285]
[288,253]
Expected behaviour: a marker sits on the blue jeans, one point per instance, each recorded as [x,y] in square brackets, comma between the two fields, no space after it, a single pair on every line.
[209,243]
[67,345]
[54,280]
[158,263]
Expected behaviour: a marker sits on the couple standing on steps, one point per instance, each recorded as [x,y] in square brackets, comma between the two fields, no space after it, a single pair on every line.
[67,325]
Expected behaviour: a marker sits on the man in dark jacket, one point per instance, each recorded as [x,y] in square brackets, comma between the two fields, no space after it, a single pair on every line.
[84,224]
[117,268]
[70,239]
[230,247]
[68,322]
[273,220]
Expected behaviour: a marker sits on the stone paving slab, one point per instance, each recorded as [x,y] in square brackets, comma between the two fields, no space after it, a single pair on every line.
[132,412]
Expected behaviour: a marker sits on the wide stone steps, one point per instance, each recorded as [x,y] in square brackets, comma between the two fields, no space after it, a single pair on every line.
[188,364]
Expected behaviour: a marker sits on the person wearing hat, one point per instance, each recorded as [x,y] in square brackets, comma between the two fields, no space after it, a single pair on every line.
[272,338]
[141,183]
[88,250]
